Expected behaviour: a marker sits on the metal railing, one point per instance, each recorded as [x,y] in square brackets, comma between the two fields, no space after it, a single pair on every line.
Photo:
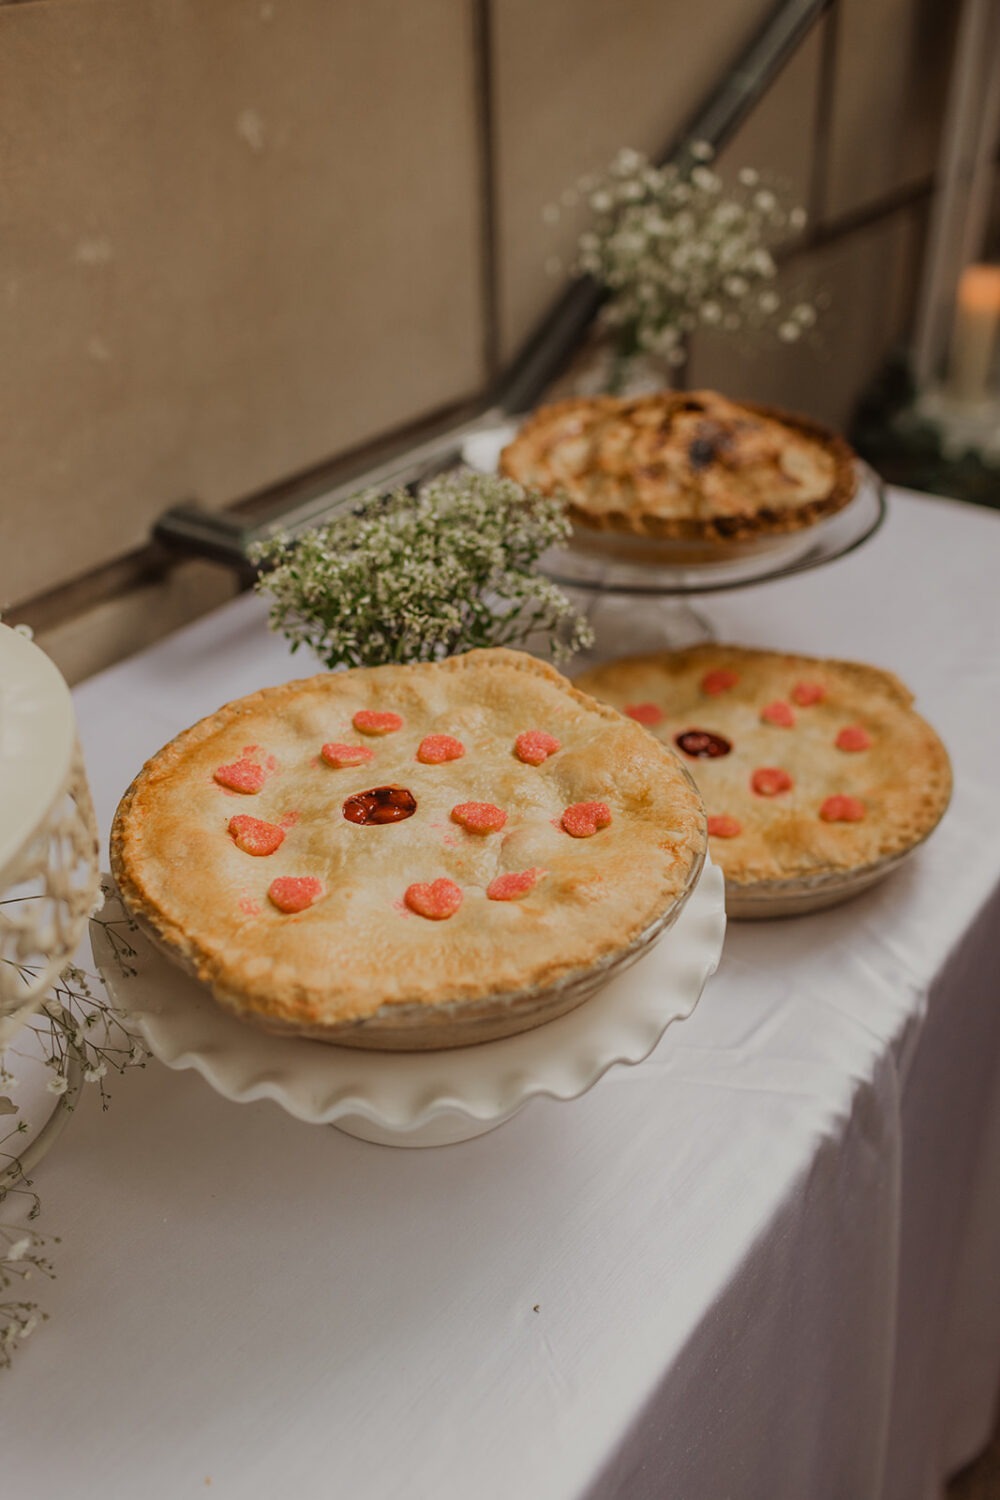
[225,536]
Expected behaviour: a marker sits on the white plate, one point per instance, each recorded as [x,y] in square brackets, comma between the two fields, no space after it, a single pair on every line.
[413,1099]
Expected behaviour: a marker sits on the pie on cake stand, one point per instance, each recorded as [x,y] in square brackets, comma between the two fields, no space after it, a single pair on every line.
[679,495]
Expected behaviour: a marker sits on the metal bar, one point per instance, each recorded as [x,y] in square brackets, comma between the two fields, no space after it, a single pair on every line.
[190,529]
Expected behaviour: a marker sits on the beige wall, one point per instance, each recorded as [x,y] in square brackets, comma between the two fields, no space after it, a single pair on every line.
[239,237]
[574,81]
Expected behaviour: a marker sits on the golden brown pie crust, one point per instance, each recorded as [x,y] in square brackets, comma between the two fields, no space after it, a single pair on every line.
[358,966]
[683,465]
[903,780]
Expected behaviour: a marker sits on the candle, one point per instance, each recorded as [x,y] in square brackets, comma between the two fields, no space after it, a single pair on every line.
[974,336]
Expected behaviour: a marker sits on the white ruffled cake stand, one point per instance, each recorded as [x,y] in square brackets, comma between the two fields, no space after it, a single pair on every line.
[415,1098]
[49,873]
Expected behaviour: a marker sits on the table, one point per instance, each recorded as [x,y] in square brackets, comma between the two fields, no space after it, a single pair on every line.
[761,1264]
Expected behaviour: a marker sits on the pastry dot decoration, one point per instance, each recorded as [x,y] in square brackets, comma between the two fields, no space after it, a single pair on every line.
[842,809]
[821,808]
[779,713]
[513,886]
[340,757]
[534,746]
[479,817]
[770,781]
[367,721]
[853,737]
[805,694]
[701,744]
[584,819]
[433,904]
[242,775]
[683,466]
[722,826]
[644,713]
[436,901]
[294,893]
[435,749]
[254,836]
[719,680]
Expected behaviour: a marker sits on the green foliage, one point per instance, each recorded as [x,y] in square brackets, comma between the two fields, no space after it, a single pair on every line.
[408,578]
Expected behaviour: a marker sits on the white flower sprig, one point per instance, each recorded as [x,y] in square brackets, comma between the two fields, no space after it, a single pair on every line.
[408,578]
[21,1256]
[76,1031]
[678,250]
[76,1024]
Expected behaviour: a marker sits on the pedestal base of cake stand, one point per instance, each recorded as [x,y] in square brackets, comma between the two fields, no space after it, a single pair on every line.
[634,625]
[446,1130]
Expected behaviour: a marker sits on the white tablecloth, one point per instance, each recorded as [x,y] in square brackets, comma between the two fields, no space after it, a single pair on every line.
[761,1264]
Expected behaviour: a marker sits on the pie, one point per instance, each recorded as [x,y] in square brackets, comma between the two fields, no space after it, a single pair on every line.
[817,775]
[409,856]
[685,465]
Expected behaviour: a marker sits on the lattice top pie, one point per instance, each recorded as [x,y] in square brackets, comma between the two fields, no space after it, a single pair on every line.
[686,465]
[408,856]
[809,768]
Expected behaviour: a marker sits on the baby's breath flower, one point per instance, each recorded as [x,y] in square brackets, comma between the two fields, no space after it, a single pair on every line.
[406,577]
[627,161]
[676,251]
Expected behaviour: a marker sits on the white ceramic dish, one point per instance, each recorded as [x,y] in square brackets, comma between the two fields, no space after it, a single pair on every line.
[413,1099]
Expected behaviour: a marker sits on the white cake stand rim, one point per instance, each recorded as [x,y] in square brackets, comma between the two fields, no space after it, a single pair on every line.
[406,1093]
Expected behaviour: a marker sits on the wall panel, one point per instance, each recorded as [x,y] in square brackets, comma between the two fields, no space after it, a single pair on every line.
[235,238]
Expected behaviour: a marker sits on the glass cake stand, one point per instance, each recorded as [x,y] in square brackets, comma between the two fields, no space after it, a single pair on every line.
[636,591]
